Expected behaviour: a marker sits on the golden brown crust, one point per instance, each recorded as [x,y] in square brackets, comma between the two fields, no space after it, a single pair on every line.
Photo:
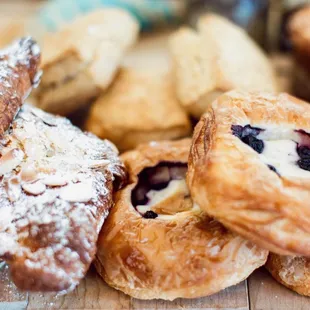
[212,64]
[291,271]
[183,255]
[81,60]
[230,181]
[56,191]
[138,108]
[18,74]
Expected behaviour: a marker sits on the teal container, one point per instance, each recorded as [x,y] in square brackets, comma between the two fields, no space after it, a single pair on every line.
[149,13]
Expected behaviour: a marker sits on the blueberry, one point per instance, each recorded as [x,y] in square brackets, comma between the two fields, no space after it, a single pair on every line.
[150,215]
[272,168]
[304,164]
[245,131]
[158,175]
[303,152]
[249,130]
[256,144]
[156,178]
[237,130]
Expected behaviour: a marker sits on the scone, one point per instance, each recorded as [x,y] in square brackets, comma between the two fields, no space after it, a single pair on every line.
[157,244]
[216,58]
[81,60]
[249,167]
[291,271]
[138,108]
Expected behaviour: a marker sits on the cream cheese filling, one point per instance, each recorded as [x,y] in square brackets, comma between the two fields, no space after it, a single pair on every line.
[156,197]
[280,151]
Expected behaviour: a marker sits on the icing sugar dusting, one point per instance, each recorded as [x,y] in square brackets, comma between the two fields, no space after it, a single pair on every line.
[55,193]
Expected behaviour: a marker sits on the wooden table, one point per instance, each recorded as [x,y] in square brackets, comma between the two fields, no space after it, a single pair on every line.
[258,292]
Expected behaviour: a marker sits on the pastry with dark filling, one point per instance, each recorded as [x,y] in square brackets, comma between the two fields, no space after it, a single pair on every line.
[249,167]
[156,243]
[81,60]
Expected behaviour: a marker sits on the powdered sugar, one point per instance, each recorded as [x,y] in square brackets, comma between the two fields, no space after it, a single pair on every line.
[57,196]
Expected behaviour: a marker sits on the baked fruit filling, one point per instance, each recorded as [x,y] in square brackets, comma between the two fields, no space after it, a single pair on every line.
[284,150]
[162,190]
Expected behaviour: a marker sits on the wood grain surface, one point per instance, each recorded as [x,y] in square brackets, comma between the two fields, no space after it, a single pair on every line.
[93,293]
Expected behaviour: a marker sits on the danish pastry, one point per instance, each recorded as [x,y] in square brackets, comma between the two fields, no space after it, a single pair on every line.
[218,57]
[81,61]
[249,167]
[138,108]
[157,244]
[291,271]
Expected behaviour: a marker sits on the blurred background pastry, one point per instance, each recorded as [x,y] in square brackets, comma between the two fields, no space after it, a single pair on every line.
[139,107]
[81,60]
[291,271]
[299,31]
[158,244]
[212,64]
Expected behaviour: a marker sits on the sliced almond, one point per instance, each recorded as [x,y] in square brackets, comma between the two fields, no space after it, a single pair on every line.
[98,163]
[78,192]
[55,180]
[29,173]
[35,189]
[14,189]
[10,160]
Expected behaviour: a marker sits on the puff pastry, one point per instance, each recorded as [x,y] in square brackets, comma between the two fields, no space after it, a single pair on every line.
[216,58]
[138,108]
[291,271]
[55,191]
[81,60]
[157,244]
[248,168]
[56,183]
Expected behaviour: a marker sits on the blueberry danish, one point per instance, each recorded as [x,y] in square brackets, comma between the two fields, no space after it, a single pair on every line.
[157,243]
[249,167]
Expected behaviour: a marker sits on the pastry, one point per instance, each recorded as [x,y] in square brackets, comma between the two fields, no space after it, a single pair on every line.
[56,191]
[56,183]
[291,271]
[216,58]
[299,32]
[138,108]
[157,244]
[82,59]
[18,74]
[249,167]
